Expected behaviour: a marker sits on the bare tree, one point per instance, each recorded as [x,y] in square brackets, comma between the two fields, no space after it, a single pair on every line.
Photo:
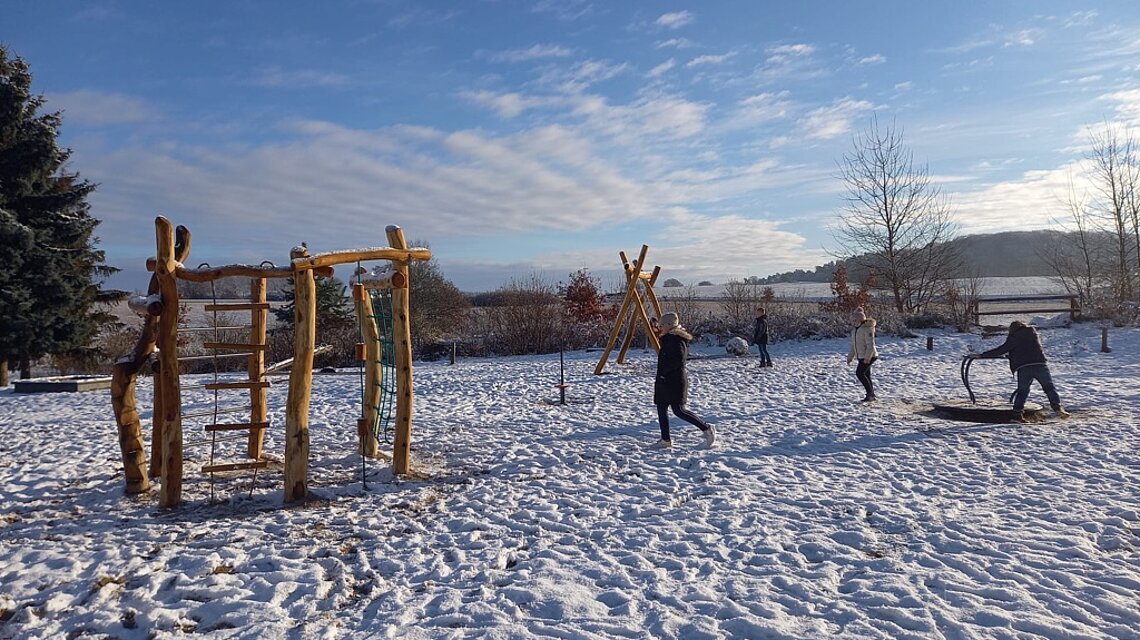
[896,225]
[530,318]
[1075,258]
[739,301]
[1114,177]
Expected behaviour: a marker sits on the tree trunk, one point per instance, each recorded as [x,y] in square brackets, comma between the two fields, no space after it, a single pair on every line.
[4,373]
[25,369]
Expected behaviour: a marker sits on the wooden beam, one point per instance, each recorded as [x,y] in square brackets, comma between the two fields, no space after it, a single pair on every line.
[366,317]
[168,387]
[630,294]
[394,254]
[402,343]
[300,382]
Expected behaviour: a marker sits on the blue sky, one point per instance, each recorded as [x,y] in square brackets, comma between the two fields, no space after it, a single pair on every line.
[524,137]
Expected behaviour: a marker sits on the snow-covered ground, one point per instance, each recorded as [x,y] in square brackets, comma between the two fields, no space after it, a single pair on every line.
[814,517]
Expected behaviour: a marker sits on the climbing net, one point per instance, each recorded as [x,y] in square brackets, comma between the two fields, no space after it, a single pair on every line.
[383,395]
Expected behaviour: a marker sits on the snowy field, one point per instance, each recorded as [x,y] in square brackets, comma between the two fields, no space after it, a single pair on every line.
[815,516]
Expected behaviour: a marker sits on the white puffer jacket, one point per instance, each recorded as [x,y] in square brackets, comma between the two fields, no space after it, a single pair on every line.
[863,341]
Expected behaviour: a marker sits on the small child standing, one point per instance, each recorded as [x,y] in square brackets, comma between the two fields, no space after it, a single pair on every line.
[671,387]
[863,349]
[760,336]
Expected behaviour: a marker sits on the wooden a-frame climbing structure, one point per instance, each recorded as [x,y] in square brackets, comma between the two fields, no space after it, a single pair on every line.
[633,312]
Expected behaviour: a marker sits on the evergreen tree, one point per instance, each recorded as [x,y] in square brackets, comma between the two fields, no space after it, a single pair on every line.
[333,304]
[50,276]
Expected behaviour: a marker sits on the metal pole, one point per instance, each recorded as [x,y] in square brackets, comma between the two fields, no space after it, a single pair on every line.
[561,375]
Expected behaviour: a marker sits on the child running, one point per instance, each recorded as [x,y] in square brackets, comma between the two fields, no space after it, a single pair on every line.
[671,388]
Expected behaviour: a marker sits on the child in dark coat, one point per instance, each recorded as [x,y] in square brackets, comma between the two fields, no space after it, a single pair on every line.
[760,336]
[1027,361]
[671,388]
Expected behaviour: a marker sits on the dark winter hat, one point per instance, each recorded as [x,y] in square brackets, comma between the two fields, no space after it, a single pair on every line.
[1017,324]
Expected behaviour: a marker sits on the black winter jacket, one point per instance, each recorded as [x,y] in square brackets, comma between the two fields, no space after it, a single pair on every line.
[672,384]
[1023,346]
[760,333]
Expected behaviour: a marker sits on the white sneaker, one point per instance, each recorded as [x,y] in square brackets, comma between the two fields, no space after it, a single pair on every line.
[662,444]
[710,436]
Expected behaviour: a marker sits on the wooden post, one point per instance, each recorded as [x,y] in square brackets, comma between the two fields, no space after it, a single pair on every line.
[259,396]
[130,427]
[649,293]
[371,356]
[630,295]
[300,381]
[402,343]
[1104,348]
[930,343]
[169,387]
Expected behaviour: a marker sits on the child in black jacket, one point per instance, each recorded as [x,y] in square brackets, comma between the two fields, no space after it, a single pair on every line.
[671,387]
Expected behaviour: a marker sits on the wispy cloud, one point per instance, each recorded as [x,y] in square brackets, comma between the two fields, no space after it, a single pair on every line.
[709,59]
[675,20]
[536,52]
[582,75]
[675,43]
[102,108]
[661,117]
[834,120]
[783,52]
[1126,105]
[873,59]
[661,69]
[507,105]
[566,10]
[279,78]
[762,107]
[418,16]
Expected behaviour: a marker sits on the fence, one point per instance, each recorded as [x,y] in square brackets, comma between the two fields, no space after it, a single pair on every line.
[1018,305]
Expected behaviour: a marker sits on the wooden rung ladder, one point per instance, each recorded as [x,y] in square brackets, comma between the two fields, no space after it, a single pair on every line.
[234,466]
[235,426]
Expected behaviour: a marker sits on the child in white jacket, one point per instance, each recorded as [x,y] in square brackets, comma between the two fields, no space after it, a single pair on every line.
[863,349]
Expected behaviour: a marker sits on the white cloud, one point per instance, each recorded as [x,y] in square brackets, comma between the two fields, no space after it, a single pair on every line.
[1127,105]
[720,247]
[566,10]
[785,51]
[657,117]
[536,52]
[581,76]
[835,120]
[675,20]
[507,105]
[101,108]
[661,69]
[675,43]
[709,59]
[1035,201]
[874,59]
[1022,38]
[762,107]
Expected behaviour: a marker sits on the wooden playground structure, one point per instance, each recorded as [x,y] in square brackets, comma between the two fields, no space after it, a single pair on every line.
[633,311]
[160,333]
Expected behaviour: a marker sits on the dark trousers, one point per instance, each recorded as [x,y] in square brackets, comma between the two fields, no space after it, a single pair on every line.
[764,357]
[681,412]
[863,374]
[1025,377]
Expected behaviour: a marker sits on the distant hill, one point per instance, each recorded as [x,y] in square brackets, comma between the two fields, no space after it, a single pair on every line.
[1009,254]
